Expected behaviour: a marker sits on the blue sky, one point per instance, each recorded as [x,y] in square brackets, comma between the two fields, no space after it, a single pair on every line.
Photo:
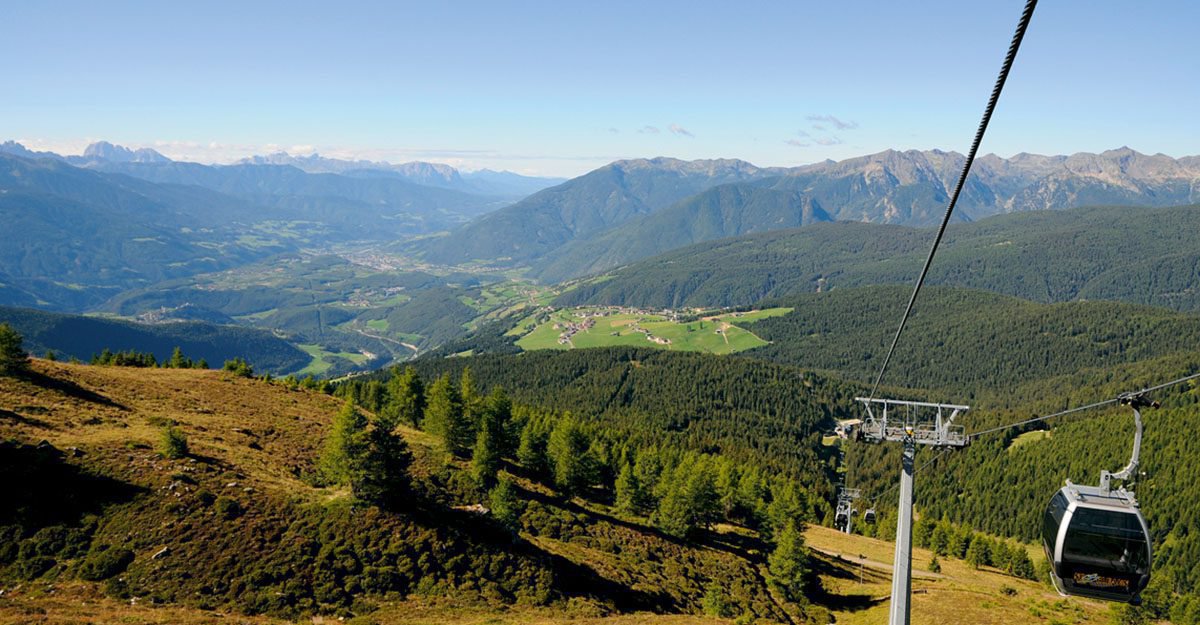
[559,88]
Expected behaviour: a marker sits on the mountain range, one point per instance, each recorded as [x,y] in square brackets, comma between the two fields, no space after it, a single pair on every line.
[603,219]
[504,184]
[114,219]
[483,181]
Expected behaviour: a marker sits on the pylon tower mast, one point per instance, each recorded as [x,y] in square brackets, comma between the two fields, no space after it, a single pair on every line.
[910,423]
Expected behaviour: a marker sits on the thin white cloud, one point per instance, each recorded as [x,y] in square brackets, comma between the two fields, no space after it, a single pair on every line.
[829,141]
[797,143]
[832,121]
[649,130]
[680,130]
[613,131]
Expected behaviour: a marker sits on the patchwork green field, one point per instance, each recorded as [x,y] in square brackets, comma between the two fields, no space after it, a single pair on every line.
[606,327]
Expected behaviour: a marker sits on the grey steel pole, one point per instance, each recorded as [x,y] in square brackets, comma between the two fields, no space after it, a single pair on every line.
[902,567]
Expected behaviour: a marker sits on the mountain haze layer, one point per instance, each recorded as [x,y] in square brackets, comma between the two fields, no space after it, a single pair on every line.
[598,221]
[583,206]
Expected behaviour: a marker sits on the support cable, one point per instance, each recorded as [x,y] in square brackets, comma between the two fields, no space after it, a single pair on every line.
[1015,45]
[1087,407]
[874,498]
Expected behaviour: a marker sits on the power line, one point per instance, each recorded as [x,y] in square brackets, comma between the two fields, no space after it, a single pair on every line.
[884,493]
[1015,45]
[1087,407]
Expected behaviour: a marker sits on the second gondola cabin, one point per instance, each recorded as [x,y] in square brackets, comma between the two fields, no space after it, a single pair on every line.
[1098,544]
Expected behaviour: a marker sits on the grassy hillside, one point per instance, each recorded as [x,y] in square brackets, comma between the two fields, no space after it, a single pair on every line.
[1144,256]
[598,327]
[83,337]
[237,527]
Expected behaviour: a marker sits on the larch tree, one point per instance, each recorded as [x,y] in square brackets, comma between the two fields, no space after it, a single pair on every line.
[13,358]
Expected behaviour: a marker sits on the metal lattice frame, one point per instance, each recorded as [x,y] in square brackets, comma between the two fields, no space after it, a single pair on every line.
[911,429]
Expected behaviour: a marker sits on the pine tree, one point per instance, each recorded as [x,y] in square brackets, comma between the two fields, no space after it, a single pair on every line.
[445,417]
[345,447]
[787,506]
[178,360]
[703,501]
[567,449]
[372,461]
[406,398]
[673,515]
[381,476]
[472,403]
[788,563]
[531,452]
[977,554]
[485,460]
[505,505]
[1020,564]
[174,443]
[13,358]
[499,416]
[647,468]
[372,396]
[629,494]
[727,489]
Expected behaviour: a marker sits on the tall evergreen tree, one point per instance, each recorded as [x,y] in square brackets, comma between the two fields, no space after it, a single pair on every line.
[178,360]
[673,515]
[345,447]
[567,449]
[978,553]
[505,505]
[531,452]
[788,563]
[405,398]
[444,413]
[629,494]
[13,358]
[704,504]
[472,402]
[381,476]
[489,442]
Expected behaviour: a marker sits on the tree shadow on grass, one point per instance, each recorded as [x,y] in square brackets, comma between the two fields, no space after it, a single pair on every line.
[572,578]
[824,565]
[71,389]
[39,488]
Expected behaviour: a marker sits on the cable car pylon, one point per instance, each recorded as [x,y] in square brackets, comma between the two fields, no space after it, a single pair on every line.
[910,429]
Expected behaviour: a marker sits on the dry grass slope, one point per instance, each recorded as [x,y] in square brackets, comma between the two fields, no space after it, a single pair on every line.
[253,443]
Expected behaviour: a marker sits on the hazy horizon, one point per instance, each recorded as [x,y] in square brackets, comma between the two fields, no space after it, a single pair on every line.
[552,91]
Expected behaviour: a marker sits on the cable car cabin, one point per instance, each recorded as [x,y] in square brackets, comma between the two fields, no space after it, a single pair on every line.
[869,516]
[841,520]
[1098,544]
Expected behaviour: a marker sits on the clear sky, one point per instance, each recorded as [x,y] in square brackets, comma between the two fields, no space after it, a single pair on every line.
[559,88]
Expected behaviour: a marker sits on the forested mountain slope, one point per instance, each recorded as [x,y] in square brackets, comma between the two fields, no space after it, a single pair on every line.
[582,206]
[1002,483]
[1145,256]
[77,336]
[890,187]
[745,409]
[720,212]
[84,236]
[966,339]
